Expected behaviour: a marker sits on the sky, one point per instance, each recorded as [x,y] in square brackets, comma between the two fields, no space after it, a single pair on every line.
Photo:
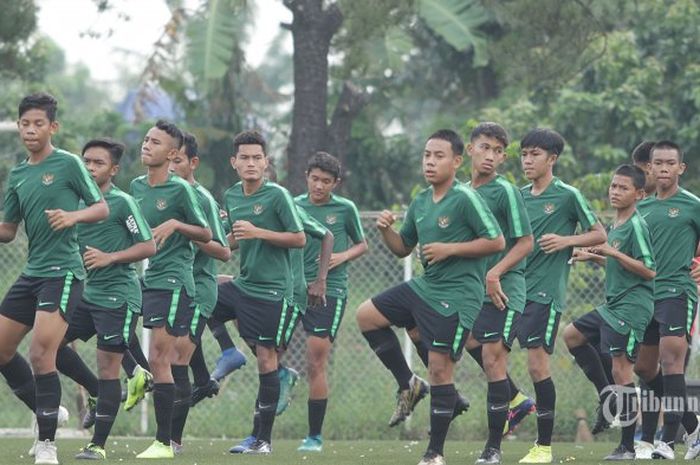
[66,21]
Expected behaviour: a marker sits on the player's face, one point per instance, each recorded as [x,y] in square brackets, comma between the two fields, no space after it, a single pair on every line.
[487,154]
[440,163]
[536,162]
[158,148]
[622,193]
[181,165]
[666,167]
[250,162]
[98,162]
[320,185]
[36,130]
[649,181]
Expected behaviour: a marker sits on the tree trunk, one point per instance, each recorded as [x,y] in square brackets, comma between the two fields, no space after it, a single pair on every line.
[351,101]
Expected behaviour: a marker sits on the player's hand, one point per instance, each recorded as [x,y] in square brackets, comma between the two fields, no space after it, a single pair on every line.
[605,250]
[337,259]
[95,258]
[60,219]
[495,291]
[551,243]
[695,270]
[163,231]
[582,255]
[435,252]
[385,220]
[316,292]
[243,230]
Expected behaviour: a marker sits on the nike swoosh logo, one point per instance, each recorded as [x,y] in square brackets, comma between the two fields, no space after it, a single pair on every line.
[49,413]
[318,330]
[111,336]
[262,338]
[491,334]
[532,338]
[45,304]
[440,344]
[99,415]
[156,318]
[615,348]
[496,408]
[442,412]
[674,328]
[265,406]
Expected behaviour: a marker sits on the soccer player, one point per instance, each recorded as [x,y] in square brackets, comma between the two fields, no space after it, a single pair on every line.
[641,159]
[184,164]
[455,230]
[321,322]
[495,326]
[673,216]
[111,299]
[554,209]
[618,325]
[265,225]
[171,207]
[44,191]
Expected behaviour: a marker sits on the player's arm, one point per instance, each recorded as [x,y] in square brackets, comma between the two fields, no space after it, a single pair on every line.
[353,227]
[638,267]
[232,242]
[585,255]
[8,232]
[316,290]
[218,247]
[8,228]
[95,258]
[357,250]
[480,247]
[215,250]
[521,249]
[551,243]
[61,219]
[393,240]
[193,232]
[244,230]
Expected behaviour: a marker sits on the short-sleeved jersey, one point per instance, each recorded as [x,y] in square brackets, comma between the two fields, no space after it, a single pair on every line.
[341,217]
[508,207]
[629,299]
[557,210]
[454,285]
[171,266]
[204,267]
[60,181]
[314,231]
[112,286]
[675,229]
[266,270]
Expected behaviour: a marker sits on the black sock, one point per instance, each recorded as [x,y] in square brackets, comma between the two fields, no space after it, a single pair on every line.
[200,372]
[442,404]
[19,377]
[269,395]
[628,414]
[497,400]
[256,419]
[137,353]
[476,355]
[108,400]
[674,406]
[652,392]
[163,399]
[422,351]
[218,329]
[386,345]
[317,412]
[606,361]
[69,363]
[183,399]
[689,420]
[48,399]
[588,359]
[546,398]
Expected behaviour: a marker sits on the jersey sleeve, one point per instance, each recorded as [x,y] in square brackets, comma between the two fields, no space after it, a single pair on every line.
[312,227]
[12,212]
[582,210]
[192,211]
[641,244]
[409,232]
[518,222]
[353,224]
[134,221]
[287,212]
[478,215]
[82,183]
[213,216]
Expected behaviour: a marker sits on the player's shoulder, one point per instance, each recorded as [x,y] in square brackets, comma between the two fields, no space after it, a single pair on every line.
[276,191]
[139,180]
[689,197]
[525,190]
[234,190]
[565,189]
[204,193]
[343,202]
[179,183]
[466,192]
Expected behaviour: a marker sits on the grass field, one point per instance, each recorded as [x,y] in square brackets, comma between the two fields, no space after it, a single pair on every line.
[13,451]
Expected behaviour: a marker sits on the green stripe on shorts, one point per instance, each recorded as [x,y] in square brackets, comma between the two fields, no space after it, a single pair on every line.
[689,318]
[65,294]
[338,313]
[280,326]
[195,319]
[509,323]
[292,324]
[550,323]
[173,307]
[127,326]
[458,338]
[631,341]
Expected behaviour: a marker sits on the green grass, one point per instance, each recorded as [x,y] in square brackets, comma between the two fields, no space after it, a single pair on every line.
[214,452]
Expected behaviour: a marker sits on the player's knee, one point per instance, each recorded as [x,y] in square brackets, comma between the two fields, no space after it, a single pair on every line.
[572,336]
[645,371]
[42,359]
[538,372]
[414,334]
[366,316]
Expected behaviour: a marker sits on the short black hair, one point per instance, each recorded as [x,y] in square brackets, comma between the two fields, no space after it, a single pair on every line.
[189,142]
[642,152]
[545,139]
[666,145]
[172,130]
[492,130]
[326,163]
[39,101]
[115,148]
[252,137]
[634,172]
[452,137]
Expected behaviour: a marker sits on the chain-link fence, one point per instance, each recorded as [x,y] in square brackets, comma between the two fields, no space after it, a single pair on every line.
[362,390]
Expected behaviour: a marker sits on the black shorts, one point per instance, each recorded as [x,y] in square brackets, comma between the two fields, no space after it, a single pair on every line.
[260,322]
[197,325]
[598,332]
[31,294]
[492,325]
[538,326]
[324,321]
[169,308]
[672,317]
[114,326]
[439,333]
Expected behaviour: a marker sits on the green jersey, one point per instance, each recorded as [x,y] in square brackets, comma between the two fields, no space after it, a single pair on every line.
[508,207]
[204,267]
[340,216]
[58,182]
[629,299]
[456,284]
[557,210]
[266,270]
[114,285]
[314,231]
[675,228]
[171,267]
